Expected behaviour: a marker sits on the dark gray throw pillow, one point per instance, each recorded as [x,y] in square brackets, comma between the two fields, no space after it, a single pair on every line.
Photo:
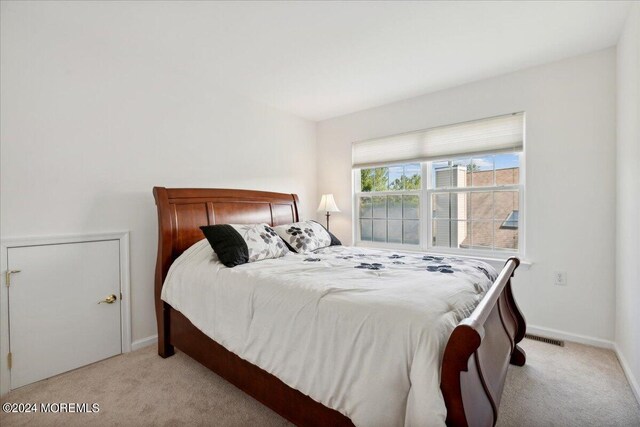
[334,240]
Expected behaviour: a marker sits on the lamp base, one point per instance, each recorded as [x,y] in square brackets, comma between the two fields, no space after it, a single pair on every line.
[328,215]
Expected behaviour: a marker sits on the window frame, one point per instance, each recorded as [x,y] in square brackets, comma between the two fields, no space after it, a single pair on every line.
[426,213]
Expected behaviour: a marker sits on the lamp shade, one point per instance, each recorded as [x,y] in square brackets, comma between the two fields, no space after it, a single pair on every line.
[327,204]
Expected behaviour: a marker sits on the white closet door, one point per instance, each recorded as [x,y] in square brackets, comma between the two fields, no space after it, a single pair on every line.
[55,321]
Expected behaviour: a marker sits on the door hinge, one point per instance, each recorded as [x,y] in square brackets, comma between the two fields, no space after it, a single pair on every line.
[9,360]
[7,276]
[120,296]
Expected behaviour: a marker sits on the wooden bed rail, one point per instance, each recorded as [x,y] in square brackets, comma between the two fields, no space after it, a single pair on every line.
[483,309]
[478,352]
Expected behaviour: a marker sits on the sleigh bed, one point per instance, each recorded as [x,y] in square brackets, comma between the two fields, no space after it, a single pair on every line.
[475,359]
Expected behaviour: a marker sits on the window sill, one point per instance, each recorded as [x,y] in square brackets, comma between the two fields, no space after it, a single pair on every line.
[495,262]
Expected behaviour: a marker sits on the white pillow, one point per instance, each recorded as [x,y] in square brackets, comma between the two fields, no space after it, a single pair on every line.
[304,236]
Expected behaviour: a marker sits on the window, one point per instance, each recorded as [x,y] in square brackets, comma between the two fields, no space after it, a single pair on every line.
[475,203]
[458,203]
[389,204]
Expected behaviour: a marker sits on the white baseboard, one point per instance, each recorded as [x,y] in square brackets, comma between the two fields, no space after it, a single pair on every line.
[567,336]
[144,342]
[627,371]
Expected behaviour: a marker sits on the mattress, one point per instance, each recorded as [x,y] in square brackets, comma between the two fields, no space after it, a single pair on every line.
[359,330]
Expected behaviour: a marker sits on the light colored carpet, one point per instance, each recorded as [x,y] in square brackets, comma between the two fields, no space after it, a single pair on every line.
[572,386]
[576,385]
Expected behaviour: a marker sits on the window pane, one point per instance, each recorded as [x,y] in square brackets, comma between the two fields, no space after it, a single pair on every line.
[452,233]
[461,173]
[365,207]
[380,207]
[507,169]
[505,238]
[390,218]
[411,232]
[396,180]
[379,230]
[460,237]
[475,219]
[366,179]
[440,233]
[412,176]
[365,229]
[395,207]
[394,231]
[458,205]
[482,234]
[441,175]
[505,202]
[410,207]
[482,171]
[450,205]
[440,205]
[381,179]
[511,221]
[481,205]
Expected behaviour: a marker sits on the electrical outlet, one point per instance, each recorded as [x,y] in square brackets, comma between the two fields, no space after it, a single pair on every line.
[560,278]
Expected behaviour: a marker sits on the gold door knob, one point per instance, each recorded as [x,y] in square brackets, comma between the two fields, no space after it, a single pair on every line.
[109,300]
[7,276]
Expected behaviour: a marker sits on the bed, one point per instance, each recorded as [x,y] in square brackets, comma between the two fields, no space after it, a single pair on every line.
[473,363]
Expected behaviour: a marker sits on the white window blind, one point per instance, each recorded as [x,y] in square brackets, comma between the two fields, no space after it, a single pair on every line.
[495,134]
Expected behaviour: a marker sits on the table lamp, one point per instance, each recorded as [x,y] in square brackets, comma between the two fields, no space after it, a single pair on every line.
[328,205]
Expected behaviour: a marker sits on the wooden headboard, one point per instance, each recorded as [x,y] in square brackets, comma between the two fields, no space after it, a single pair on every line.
[181,212]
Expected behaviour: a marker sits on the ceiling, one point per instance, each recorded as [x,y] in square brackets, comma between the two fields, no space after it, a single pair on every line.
[319,60]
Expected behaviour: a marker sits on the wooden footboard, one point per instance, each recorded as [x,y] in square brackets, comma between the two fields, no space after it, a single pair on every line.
[478,353]
[475,360]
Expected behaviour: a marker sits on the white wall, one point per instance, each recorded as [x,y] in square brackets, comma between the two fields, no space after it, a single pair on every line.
[88,128]
[628,200]
[570,178]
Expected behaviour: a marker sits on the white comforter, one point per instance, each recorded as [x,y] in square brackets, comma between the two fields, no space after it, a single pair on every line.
[361,331]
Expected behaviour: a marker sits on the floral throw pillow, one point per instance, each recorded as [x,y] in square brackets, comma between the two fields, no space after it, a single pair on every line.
[305,236]
[237,244]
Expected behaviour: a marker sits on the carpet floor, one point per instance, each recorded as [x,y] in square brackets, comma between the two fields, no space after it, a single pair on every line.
[572,386]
